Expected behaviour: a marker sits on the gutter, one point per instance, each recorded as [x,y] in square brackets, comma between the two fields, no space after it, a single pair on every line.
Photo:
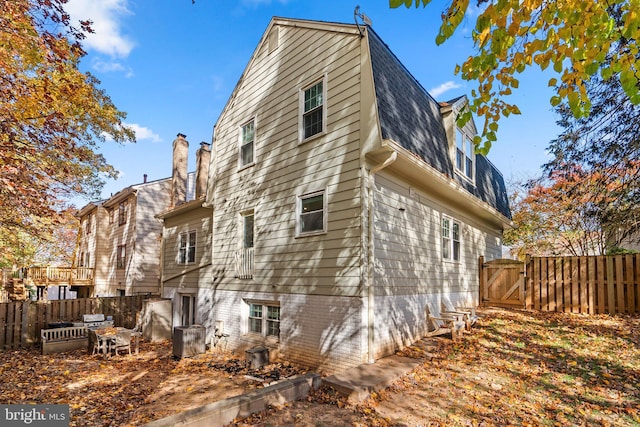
[369,283]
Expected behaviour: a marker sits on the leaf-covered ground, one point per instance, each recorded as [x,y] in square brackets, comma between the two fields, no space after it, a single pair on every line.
[128,390]
[514,369]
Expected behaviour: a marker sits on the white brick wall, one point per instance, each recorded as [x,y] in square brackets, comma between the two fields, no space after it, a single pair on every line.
[321,332]
[401,320]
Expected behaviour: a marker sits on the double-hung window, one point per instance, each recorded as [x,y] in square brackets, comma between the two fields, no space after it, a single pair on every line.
[450,239]
[247,143]
[187,248]
[244,256]
[247,230]
[122,213]
[312,213]
[465,154]
[121,257]
[313,110]
[264,319]
[88,224]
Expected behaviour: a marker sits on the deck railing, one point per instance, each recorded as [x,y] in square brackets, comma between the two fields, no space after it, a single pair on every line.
[42,276]
[244,263]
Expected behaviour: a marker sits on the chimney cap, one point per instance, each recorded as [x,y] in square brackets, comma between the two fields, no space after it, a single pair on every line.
[181,135]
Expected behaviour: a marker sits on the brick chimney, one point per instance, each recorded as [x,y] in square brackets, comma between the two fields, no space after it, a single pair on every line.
[179,175]
[203,158]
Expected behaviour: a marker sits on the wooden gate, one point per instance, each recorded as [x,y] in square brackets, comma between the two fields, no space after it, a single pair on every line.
[502,283]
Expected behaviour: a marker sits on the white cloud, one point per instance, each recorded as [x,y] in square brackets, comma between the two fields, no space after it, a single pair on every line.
[444,87]
[106,16]
[110,67]
[144,132]
[141,132]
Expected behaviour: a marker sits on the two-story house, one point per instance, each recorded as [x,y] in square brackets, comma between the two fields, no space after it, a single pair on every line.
[121,238]
[346,201]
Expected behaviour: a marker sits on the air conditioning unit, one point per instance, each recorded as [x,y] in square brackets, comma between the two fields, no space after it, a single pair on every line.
[189,341]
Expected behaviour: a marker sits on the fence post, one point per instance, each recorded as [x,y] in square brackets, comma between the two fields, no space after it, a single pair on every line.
[528,264]
[481,281]
[611,295]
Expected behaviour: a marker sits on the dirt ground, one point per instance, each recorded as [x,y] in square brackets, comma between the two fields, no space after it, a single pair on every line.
[128,390]
[515,368]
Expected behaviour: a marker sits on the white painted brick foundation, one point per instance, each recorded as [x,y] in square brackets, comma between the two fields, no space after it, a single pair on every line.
[317,331]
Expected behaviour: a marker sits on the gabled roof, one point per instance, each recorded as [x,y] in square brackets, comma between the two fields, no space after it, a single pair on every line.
[410,116]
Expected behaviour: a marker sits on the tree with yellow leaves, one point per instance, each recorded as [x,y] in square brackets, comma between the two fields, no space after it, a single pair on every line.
[577,38]
[52,116]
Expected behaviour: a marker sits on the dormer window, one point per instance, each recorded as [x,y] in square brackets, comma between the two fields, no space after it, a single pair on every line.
[465,154]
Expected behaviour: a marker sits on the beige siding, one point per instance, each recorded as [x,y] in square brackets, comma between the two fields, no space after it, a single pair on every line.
[145,268]
[101,257]
[408,244]
[122,234]
[326,264]
[193,275]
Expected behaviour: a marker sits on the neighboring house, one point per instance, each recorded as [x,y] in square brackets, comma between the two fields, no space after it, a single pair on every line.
[186,250]
[345,200]
[120,237]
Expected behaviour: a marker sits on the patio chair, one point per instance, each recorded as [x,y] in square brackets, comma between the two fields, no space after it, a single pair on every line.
[468,314]
[122,341]
[96,344]
[446,323]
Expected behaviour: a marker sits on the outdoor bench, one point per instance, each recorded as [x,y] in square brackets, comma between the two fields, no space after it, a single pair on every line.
[64,339]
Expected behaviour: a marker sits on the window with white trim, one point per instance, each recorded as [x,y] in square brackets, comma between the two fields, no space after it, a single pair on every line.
[450,239]
[264,319]
[247,143]
[121,257]
[122,213]
[187,247]
[465,154]
[88,224]
[312,110]
[312,213]
[247,229]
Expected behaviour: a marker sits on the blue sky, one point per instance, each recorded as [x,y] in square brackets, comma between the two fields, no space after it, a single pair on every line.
[171,65]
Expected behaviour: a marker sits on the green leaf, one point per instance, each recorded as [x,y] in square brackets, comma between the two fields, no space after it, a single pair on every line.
[557,66]
[398,3]
[606,73]
[555,101]
[592,68]
[484,148]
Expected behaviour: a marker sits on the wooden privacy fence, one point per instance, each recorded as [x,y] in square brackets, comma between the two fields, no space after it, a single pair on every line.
[21,322]
[588,284]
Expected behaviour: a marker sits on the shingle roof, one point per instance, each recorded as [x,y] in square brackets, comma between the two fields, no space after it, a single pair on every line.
[410,116]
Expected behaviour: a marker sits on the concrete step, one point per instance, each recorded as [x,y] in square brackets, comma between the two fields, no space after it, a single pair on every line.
[359,382]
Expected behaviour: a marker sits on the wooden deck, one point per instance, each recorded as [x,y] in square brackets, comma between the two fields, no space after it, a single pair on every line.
[59,276]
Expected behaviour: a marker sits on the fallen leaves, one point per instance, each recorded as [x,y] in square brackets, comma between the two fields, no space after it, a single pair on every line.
[122,390]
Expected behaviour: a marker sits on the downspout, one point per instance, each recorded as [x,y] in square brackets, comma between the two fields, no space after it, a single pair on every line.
[369,288]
